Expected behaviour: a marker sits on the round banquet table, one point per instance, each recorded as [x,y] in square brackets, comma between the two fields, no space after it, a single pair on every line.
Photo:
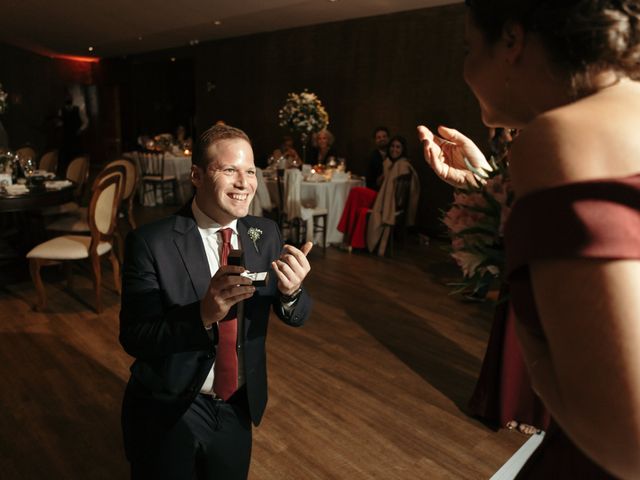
[19,218]
[35,200]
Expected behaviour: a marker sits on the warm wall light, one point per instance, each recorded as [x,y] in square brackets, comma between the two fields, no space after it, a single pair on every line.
[91,49]
[217,22]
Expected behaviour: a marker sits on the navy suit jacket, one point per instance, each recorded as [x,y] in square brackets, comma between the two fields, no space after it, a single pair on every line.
[165,274]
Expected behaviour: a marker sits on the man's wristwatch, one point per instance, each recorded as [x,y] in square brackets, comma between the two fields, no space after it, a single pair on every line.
[290,298]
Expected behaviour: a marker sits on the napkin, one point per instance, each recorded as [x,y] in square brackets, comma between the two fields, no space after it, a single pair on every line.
[16,189]
[57,184]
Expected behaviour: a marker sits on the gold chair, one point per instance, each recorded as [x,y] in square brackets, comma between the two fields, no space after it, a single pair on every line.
[49,161]
[298,218]
[106,197]
[153,176]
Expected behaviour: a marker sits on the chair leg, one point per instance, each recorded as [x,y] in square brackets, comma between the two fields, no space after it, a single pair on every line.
[97,280]
[115,266]
[34,269]
[68,273]
[324,235]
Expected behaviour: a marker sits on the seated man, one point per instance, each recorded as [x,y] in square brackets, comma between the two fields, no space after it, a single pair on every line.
[375,174]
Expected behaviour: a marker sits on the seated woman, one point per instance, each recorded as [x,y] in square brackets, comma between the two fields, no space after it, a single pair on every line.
[287,151]
[353,222]
[323,149]
[182,140]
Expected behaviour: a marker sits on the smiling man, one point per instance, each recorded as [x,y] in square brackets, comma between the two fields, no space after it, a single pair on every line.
[197,328]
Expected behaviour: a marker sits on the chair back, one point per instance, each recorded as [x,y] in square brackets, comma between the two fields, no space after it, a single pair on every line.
[292,205]
[151,163]
[26,153]
[78,173]
[262,199]
[49,161]
[402,191]
[108,171]
[106,196]
[132,176]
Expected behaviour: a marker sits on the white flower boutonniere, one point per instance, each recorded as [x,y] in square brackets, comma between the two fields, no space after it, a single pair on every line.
[254,235]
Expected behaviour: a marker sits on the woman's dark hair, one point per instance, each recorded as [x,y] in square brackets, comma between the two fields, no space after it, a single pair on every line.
[402,141]
[582,37]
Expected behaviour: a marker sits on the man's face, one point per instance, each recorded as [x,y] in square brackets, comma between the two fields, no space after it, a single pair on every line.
[381,139]
[227,186]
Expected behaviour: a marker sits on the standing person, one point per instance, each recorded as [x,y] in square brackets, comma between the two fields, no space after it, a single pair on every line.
[197,328]
[374,163]
[555,70]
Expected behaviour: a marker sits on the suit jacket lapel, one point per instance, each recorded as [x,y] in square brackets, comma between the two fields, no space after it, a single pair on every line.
[191,249]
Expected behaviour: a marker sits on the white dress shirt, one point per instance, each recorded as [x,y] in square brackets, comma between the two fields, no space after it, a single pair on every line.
[212,241]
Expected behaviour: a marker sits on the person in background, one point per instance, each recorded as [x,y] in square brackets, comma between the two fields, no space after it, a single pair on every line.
[374,174]
[182,140]
[554,71]
[323,150]
[196,327]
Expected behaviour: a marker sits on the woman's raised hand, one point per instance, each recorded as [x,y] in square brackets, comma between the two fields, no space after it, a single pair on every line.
[446,156]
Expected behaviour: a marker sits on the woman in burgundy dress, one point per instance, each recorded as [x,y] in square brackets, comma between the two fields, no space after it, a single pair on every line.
[564,73]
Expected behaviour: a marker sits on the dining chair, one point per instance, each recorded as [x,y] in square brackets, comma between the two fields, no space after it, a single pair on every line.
[131,186]
[26,153]
[402,192]
[153,176]
[78,221]
[78,173]
[262,200]
[103,208]
[49,161]
[302,221]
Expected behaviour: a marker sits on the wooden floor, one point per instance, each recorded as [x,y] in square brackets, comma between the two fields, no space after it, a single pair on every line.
[374,386]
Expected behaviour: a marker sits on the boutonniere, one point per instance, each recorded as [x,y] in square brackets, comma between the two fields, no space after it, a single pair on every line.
[254,235]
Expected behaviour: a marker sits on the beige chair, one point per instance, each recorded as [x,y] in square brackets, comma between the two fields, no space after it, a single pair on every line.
[49,161]
[78,173]
[78,221]
[302,221]
[103,209]
[130,188]
[153,176]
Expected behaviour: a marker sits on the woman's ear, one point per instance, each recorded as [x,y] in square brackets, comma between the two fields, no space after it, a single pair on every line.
[513,40]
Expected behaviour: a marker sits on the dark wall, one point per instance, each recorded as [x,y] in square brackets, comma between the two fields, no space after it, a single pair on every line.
[397,70]
[37,87]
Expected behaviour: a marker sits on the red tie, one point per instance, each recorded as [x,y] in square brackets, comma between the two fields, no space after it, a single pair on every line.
[225,379]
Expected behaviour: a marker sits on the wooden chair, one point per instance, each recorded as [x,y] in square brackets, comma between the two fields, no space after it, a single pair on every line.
[78,173]
[402,191]
[154,177]
[26,153]
[78,221]
[49,161]
[296,216]
[130,188]
[103,209]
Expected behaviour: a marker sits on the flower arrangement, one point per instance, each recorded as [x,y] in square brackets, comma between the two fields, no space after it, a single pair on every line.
[303,113]
[475,222]
[3,99]
[255,234]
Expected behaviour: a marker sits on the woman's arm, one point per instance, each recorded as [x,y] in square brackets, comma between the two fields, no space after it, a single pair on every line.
[588,371]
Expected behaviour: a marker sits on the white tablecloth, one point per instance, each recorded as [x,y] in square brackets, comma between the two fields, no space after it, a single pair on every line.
[329,195]
[178,165]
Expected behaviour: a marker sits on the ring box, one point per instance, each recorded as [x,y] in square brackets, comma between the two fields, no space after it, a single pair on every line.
[258,279]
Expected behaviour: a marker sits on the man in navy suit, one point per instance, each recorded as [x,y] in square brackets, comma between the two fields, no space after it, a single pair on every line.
[195,388]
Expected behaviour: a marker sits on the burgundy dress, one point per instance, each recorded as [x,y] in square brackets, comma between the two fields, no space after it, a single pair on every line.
[503,391]
[596,219]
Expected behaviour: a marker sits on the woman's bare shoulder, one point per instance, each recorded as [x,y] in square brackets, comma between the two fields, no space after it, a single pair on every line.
[596,137]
